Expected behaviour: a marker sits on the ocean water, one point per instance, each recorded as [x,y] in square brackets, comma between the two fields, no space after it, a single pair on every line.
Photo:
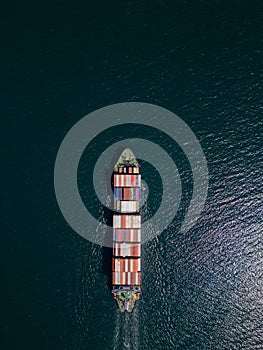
[201,289]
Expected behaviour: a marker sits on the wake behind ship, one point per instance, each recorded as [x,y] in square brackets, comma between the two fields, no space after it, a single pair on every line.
[126,262]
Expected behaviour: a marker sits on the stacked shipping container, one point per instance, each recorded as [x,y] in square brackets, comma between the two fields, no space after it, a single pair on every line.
[127,235]
[127,180]
[127,193]
[126,262]
[126,249]
[126,278]
[127,221]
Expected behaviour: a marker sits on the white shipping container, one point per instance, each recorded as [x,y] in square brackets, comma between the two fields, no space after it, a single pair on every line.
[128,206]
[138,180]
[137,221]
[139,265]
[116,221]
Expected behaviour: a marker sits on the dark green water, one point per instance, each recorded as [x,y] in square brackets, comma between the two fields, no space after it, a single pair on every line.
[203,61]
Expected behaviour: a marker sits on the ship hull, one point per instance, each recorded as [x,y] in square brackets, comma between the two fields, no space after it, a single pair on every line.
[126,261]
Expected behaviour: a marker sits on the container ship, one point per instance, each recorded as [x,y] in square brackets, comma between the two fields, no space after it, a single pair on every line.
[126,261]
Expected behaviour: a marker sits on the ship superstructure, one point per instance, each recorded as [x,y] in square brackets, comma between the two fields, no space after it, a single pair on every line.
[126,261]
